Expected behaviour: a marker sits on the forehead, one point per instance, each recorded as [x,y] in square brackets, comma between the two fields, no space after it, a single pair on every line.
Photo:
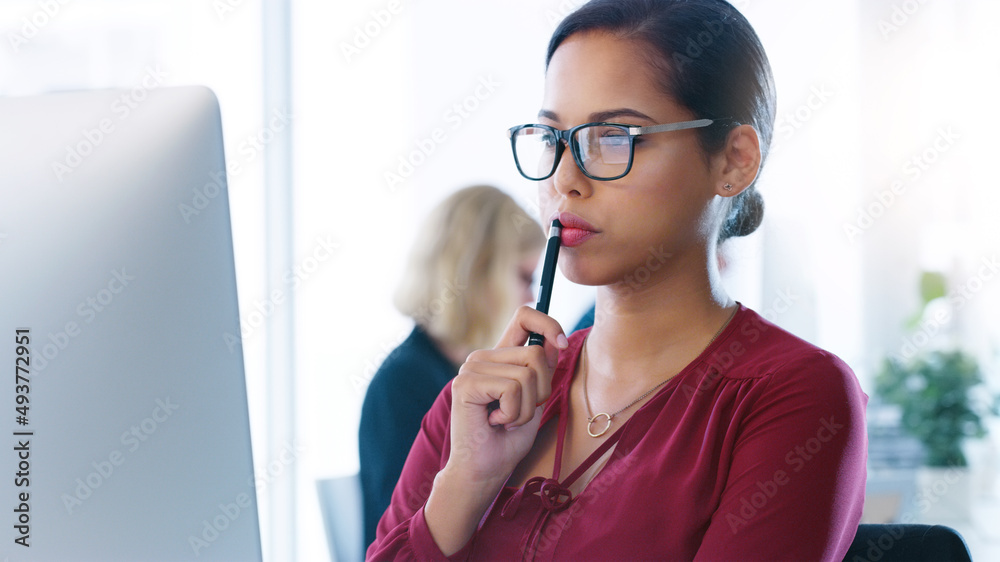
[596,71]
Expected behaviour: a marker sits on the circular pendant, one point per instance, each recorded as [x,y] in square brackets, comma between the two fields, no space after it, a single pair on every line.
[590,425]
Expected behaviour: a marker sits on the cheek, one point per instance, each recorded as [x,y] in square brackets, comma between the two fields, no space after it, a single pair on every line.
[663,206]
[672,186]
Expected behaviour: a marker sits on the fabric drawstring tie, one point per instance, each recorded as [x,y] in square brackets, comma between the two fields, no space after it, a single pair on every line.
[554,498]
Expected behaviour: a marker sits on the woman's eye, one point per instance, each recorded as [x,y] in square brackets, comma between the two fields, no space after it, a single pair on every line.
[611,132]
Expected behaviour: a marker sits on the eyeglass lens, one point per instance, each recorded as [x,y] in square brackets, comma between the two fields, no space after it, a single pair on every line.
[604,150]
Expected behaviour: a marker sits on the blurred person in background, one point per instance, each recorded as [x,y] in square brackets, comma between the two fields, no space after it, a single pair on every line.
[471,266]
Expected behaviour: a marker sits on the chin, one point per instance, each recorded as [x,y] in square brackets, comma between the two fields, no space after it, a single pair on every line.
[588,275]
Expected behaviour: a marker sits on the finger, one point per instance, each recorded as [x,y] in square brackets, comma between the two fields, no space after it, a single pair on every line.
[526,321]
[535,358]
[480,385]
[508,402]
[551,354]
[527,379]
[518,395]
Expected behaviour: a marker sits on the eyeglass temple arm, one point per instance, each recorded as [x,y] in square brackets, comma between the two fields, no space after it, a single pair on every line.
[670,127]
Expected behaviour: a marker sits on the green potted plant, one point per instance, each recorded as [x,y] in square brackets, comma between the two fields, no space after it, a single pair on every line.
[935,392]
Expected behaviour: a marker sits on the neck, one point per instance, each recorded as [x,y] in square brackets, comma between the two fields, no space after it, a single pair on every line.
[644,333]
[456,354]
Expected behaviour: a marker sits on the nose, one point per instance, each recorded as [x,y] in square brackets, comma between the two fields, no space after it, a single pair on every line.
[527,295]
[568,179]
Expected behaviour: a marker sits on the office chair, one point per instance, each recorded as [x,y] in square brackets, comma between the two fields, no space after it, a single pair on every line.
[340,502]
[912,543]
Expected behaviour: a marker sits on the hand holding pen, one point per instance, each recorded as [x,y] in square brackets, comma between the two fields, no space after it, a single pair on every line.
[496,406]
[510,381]
[545,288]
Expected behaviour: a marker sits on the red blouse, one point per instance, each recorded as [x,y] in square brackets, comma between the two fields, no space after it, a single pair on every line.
[756,450]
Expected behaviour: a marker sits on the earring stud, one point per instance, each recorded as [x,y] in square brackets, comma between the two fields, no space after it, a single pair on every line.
[728,187]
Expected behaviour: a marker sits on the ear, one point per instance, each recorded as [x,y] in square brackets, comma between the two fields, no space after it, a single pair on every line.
[738,163]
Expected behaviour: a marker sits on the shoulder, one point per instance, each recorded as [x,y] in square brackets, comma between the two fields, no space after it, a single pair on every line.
[755,349]
[409,378]
[415,358]
[417,346]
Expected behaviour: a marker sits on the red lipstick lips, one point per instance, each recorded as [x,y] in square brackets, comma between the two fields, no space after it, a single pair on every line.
[575,230]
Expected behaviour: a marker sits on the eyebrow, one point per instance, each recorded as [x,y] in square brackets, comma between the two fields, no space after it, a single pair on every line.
[600,116]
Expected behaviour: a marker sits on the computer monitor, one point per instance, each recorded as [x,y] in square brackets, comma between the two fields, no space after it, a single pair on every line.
[123,406]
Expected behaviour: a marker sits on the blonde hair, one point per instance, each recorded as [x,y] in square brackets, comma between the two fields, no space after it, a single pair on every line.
[461,282]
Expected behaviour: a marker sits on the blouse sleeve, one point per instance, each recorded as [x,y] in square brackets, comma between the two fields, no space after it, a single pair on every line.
[796,481]
[402,532]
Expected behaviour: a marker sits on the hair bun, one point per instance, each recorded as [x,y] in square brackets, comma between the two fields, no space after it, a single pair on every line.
[745,216]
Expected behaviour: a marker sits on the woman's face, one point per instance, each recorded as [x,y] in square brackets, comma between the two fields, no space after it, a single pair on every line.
[665,209]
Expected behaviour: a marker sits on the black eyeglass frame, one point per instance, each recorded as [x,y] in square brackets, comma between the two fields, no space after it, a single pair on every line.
[567,138]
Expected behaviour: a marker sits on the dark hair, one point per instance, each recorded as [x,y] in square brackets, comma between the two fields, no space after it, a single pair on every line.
[711,62]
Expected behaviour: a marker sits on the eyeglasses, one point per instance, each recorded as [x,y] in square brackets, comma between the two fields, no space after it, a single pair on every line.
[602,151]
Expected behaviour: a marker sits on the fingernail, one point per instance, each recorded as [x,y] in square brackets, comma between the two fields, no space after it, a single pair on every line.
[562,342]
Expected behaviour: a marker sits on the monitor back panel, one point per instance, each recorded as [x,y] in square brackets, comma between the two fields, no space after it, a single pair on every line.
[124,430]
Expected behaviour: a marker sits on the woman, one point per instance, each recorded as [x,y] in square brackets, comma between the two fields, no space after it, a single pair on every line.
[682,425]
[471,266]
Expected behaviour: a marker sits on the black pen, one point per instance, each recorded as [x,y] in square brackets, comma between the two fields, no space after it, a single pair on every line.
[548,276]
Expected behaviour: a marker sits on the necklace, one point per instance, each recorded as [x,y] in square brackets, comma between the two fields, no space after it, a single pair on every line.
[591,419]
